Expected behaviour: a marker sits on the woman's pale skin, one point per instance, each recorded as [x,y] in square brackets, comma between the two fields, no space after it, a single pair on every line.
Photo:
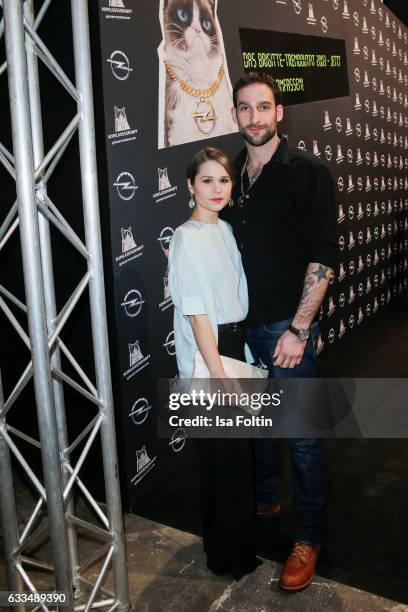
[212,191]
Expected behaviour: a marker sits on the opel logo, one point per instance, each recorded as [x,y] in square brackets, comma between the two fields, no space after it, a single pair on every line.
[140,411]
[125,186]
[169,345]
[340,183]
[178,440]
[133,302]
[119,65]
[341,243]
[165,236]
[339,124]
[331,336]
[351,212]
[351,267]
[297,6]
[351,321]
[328,152]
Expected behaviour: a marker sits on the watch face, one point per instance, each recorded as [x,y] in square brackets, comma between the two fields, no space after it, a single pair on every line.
[304,334]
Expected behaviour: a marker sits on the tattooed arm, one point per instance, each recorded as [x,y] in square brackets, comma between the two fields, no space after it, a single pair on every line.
[289,349]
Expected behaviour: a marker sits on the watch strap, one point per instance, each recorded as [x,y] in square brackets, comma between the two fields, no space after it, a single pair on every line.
[302,334]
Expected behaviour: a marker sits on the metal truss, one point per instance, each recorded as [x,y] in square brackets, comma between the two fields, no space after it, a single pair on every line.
[33,212]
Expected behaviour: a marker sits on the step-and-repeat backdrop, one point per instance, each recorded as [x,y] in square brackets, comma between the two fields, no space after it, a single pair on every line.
[167,70]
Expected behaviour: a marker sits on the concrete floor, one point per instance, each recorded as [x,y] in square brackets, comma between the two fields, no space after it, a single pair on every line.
[167,573]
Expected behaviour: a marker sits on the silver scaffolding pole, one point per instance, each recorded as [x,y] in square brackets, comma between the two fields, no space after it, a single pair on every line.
[87,147]
[48,272]
[8,510]
[100,395]
[30,248]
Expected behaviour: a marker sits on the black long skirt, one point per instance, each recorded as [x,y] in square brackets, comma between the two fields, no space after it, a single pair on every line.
[228,492]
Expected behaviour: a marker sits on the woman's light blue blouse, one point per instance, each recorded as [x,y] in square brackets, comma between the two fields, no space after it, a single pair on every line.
[205,277]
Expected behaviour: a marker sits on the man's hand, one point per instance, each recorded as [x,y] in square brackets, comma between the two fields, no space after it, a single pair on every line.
[289,351]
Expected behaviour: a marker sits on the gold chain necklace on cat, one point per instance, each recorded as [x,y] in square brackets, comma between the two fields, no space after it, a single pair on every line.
[204,112]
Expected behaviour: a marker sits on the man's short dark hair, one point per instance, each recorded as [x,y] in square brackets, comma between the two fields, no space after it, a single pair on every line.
[250,78]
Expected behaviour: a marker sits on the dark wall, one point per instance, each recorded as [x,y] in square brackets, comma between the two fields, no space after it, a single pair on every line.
[359,130]
[399,8]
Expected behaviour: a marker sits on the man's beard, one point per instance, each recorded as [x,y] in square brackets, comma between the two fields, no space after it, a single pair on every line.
[258,141]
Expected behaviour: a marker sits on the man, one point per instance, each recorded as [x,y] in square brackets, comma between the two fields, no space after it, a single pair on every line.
[285,226]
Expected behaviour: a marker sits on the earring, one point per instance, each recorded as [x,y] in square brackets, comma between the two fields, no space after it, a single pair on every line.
[191,202]
[231,202]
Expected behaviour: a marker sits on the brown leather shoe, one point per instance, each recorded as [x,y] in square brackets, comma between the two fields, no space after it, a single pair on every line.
[299,569]
[267,511]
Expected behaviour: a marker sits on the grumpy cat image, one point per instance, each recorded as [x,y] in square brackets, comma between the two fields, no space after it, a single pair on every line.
[195,93]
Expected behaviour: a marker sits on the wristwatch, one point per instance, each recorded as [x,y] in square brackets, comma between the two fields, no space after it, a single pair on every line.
[301,334]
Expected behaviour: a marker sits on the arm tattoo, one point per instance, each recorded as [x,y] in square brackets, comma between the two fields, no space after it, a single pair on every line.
[315,286]
[322,272]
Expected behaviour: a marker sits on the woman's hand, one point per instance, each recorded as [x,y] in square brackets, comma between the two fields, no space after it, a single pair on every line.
[219,373]
[207,345]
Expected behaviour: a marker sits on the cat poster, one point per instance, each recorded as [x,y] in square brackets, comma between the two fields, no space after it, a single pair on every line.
[195,92]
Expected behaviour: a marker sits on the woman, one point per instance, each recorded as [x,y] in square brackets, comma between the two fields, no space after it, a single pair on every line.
[209,292]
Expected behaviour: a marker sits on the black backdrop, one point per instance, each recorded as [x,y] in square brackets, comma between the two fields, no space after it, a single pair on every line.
[140,311]
[362,135]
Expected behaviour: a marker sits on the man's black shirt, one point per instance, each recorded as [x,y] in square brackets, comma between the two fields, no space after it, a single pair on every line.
[287,221]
